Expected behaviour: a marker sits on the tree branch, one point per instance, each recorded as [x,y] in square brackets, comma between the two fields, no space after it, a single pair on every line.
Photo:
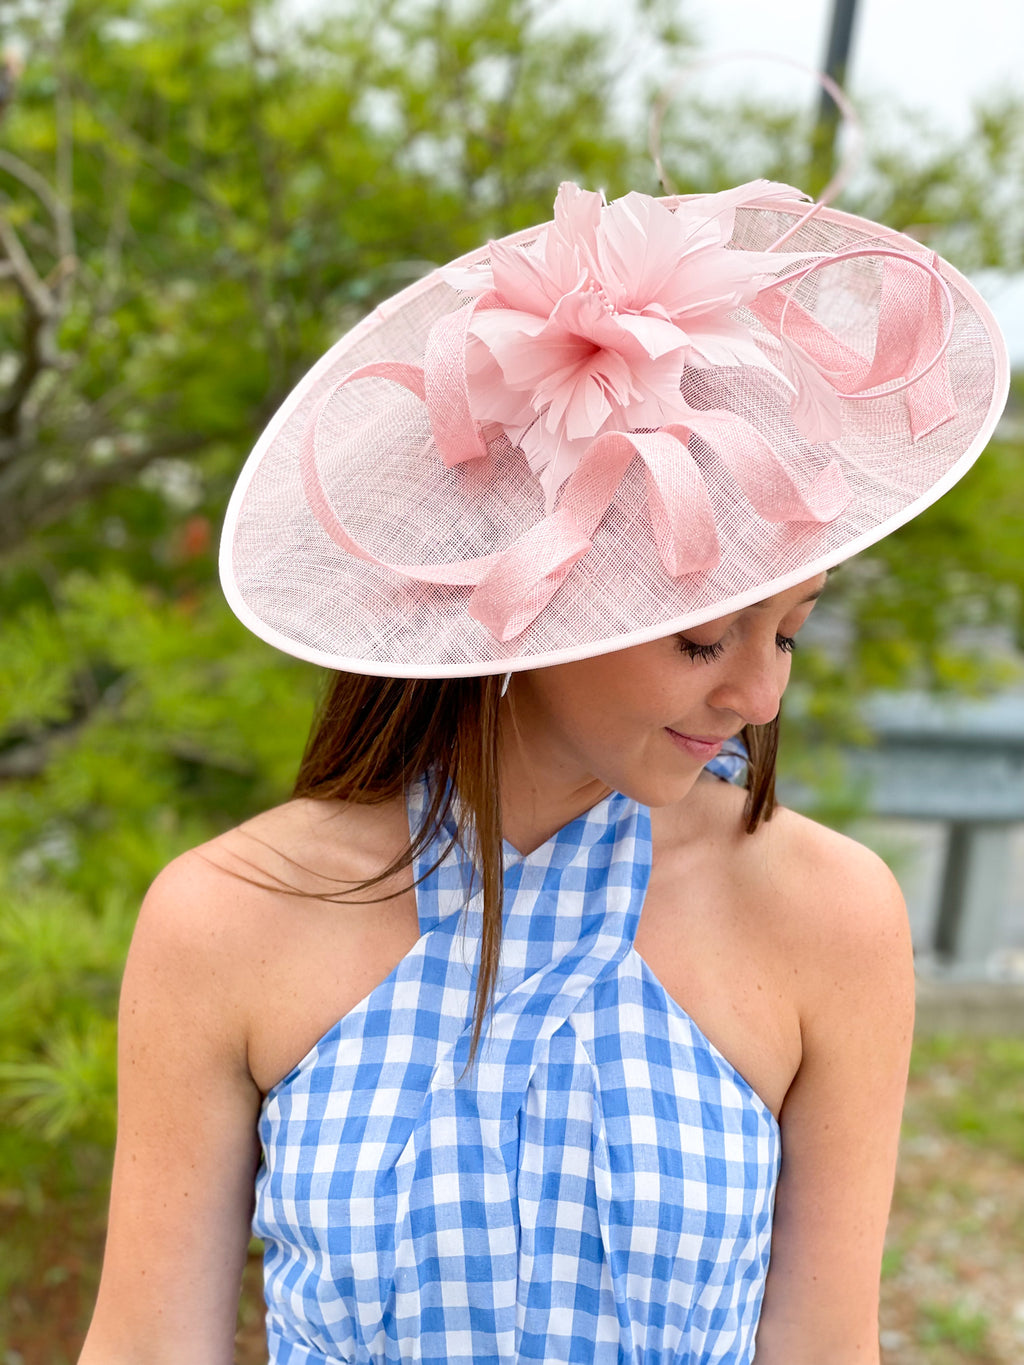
[35,292]
[38,351]
[29,177]
[45,300]
[40,505]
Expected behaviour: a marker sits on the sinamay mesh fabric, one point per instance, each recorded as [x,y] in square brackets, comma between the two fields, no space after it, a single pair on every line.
[295,587]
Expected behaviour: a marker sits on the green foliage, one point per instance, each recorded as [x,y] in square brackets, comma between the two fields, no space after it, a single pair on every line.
[963,195]
[244,185]
[892,1261]
[71,1089]
[976,1090]
[953,1324]
[60,960]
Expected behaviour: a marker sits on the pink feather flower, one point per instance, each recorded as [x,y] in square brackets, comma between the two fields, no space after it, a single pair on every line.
[589,329]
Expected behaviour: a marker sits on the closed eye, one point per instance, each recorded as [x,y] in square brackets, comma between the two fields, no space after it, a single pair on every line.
[703,652]
[706,653]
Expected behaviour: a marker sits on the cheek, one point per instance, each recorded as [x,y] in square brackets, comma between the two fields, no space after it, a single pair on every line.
[602,699]
[564,700]
[595,706]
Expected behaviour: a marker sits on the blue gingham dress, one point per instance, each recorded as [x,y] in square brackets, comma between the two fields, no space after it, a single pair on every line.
[598,1188]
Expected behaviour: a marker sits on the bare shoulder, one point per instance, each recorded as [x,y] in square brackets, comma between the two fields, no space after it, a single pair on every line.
[203,903]
[270,931]
[833,908]
[833,895]
[303,849]
[214,917]
[305,845]
[794,855]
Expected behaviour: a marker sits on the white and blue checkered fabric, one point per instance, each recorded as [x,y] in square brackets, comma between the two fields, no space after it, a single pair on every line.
[598,1188]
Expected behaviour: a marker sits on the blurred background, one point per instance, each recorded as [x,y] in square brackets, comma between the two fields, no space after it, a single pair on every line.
[195,200]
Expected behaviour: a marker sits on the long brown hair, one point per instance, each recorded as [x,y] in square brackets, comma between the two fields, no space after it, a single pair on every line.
[373,737]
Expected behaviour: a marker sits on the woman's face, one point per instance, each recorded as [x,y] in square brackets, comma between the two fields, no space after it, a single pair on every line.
[645,720]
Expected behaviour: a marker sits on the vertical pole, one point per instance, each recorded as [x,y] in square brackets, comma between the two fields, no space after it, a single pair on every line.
[975,891]
[837,58]
[952,890]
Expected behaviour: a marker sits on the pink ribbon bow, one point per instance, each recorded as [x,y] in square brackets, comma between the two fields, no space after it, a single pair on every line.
[575,348]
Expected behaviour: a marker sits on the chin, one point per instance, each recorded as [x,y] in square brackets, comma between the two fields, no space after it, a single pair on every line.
[659,789]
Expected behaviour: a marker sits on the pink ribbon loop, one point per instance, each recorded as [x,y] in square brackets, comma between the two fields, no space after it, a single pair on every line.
[456,434]
[909,353]
[464,573]
[930,400]
[408,376]
[762,474]
[524,578]
[682,519]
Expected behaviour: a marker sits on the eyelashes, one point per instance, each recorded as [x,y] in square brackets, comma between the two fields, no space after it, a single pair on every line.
[707,653]
[703,652]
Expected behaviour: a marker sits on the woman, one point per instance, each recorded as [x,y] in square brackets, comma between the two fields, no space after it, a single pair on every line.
[626,1086]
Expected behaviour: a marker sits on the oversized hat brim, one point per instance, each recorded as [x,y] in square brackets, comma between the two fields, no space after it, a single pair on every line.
[380,484]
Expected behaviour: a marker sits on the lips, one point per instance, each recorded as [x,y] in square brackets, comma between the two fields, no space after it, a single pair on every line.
[704,747]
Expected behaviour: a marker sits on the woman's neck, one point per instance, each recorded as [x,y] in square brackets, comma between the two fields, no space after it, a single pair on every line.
[541,789]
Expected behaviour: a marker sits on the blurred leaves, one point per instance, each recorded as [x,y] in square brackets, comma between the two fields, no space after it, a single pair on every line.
[72,1090]
[962,194]
[161,708]
[60,961]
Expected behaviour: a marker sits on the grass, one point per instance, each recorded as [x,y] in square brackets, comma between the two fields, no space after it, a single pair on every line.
[953,1269]
[975,1090]
[953,1324]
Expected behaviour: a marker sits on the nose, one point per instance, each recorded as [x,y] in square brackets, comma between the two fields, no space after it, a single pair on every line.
[753,685]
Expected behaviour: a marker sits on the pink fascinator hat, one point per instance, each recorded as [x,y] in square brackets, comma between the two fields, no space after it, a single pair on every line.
[638,417]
